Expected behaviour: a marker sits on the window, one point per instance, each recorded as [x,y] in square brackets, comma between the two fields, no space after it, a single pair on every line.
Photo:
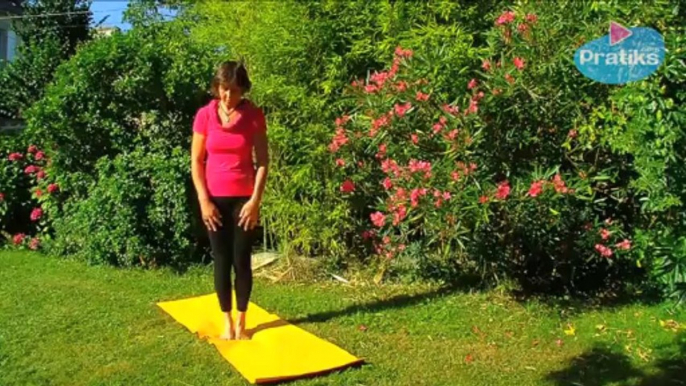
[3,45]
[11,45]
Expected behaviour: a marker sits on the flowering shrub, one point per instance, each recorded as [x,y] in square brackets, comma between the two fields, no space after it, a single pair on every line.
[406,162]
[477,184]
[25,193]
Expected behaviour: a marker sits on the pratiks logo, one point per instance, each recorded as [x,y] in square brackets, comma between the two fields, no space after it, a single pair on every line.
[624,55]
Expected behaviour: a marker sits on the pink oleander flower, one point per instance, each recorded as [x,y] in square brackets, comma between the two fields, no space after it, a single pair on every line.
[420,166]
[401,109]
[339,140]
[387,183]
[368,234]
[347,186]
[403,53]
[31,169]
[452,110]
[473,106]
[371,88]
[399,214]
[536,188]
[519,63]
[415,195]
[34,244]
[603,250]
[382,151]
[342,120]
[559,184]
[486,65]
[605,234]
[505,18]
[453,134]
[389,165]
[380,122]
[36,214]
[18,238]
[421,96]
[378,219]
[503,190]
[400,195]
[624,245]
[472,83]
[379,78]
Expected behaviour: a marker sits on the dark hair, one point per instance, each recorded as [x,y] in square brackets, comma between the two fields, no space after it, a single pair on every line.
[231,73]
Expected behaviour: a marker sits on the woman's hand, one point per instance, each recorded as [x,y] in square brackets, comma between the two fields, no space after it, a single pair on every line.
[210,215]
[249,215]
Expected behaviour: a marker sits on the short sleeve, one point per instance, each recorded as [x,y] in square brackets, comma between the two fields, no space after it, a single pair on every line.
[200,122]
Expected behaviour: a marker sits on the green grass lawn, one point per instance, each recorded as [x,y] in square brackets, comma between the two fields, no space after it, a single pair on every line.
[64,323]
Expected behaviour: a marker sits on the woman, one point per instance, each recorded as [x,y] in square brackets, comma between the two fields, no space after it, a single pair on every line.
[229,187]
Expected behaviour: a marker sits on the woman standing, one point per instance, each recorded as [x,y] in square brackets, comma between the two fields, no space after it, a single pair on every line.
[229,185]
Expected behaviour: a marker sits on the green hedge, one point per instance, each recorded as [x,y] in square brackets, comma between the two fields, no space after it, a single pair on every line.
[116,126]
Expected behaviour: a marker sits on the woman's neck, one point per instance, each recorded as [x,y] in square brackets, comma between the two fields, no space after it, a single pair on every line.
[231,106]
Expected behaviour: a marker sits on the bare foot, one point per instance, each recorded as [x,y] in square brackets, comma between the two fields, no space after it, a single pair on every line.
[228,333]
[241,334]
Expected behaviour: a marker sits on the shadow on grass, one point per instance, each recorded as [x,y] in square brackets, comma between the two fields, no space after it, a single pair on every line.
[395,302]
[571,305]
[601,366]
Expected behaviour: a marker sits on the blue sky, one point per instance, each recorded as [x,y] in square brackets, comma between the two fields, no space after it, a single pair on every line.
[114,8]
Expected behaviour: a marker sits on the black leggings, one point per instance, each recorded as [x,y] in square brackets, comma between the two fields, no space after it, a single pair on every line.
[232,246]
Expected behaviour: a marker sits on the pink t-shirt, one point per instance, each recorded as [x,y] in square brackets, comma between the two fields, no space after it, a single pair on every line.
[229,171]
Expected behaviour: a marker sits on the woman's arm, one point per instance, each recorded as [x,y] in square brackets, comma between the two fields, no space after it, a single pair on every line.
[250,212]
[262,155]
[210,214]
[198,167]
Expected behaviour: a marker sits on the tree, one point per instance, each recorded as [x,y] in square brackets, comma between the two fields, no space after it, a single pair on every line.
[50,32]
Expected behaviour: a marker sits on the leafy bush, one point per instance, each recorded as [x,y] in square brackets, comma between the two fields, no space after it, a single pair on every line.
[138,212]
[114,124]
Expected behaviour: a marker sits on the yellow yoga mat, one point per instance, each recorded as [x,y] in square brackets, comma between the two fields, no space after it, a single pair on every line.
[277,350]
